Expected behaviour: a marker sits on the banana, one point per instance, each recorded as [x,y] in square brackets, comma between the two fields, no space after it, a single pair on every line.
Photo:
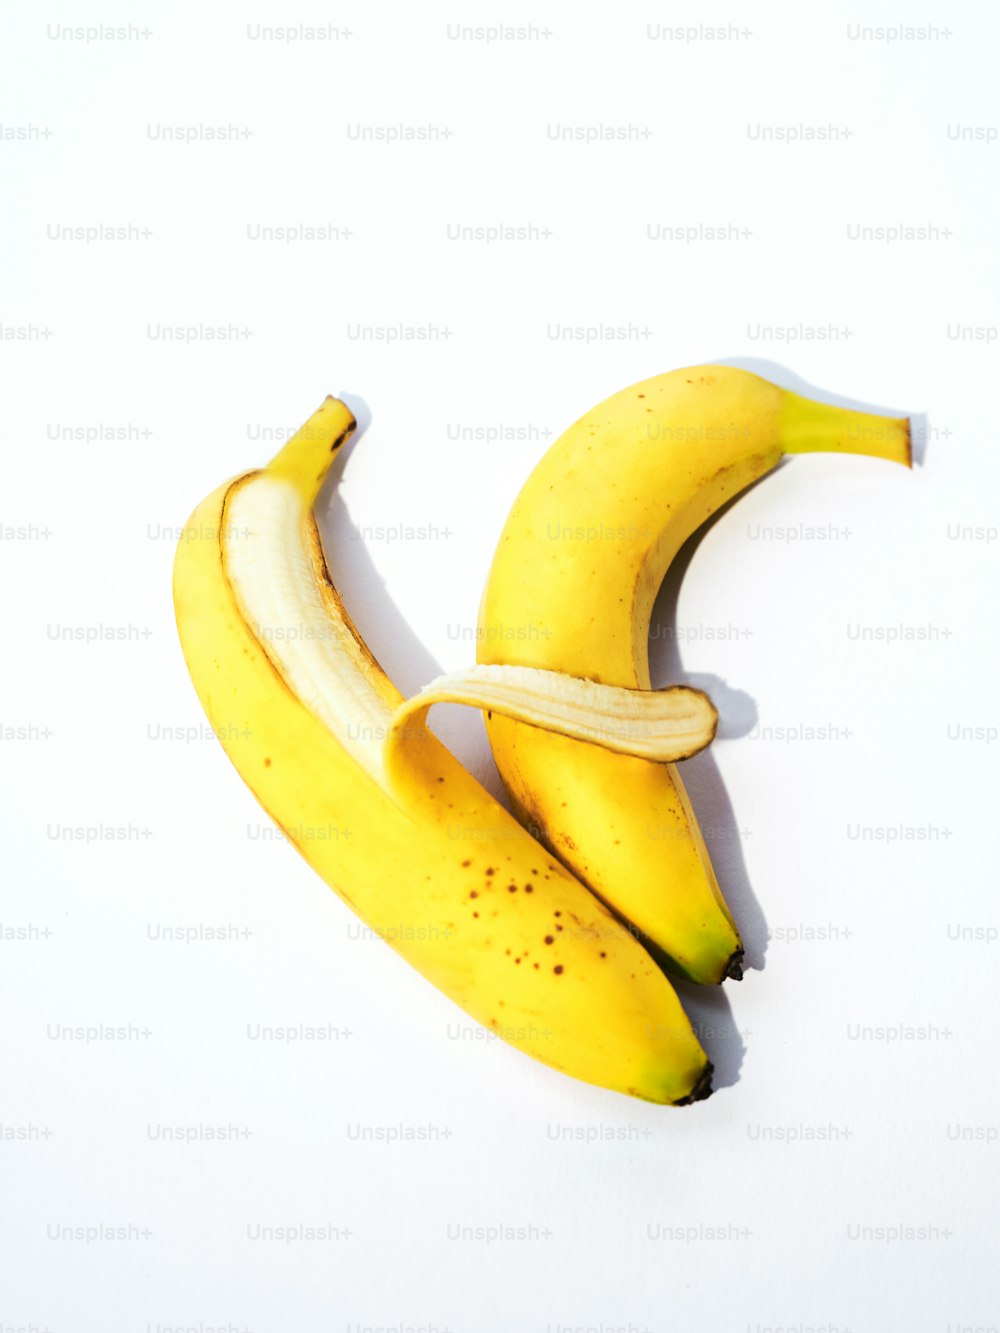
[571,589]
[423,854]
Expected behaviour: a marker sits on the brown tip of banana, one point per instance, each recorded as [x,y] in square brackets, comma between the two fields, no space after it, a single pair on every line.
[734,968]
[701,1090]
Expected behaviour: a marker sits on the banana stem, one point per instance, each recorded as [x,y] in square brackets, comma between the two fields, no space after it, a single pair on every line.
[810,427]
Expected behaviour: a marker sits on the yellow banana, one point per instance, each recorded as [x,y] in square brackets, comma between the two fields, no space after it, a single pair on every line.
[571,589]
[424,855]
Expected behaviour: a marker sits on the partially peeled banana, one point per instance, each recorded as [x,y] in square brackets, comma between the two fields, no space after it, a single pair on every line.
[321,736]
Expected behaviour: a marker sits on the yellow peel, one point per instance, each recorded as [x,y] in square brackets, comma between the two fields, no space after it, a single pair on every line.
[587,544]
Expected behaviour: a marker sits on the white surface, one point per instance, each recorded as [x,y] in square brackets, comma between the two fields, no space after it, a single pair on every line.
[595,1179]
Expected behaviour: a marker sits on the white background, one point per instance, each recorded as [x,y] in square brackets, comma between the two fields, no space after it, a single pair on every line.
[818,1134]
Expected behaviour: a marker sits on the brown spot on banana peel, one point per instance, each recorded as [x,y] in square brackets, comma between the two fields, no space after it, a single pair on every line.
[348,430]
[668,965]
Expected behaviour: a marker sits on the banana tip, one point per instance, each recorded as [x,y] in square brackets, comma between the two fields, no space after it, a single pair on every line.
[701,1090]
